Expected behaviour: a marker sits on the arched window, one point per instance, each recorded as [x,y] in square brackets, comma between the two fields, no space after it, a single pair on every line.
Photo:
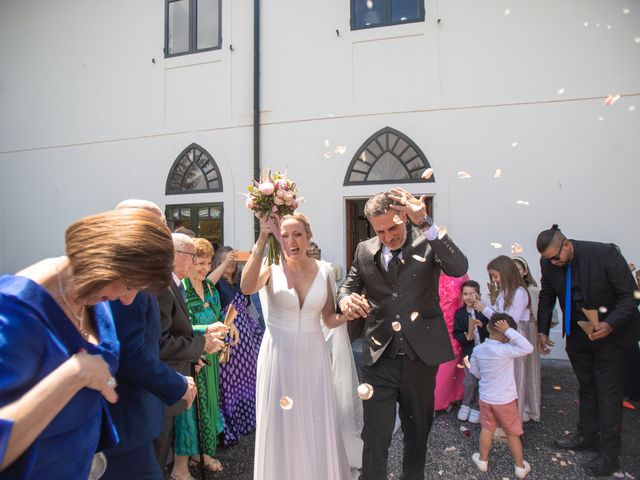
[194,171]
[387,156]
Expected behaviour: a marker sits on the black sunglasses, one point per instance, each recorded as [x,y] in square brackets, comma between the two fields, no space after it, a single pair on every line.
[557,257]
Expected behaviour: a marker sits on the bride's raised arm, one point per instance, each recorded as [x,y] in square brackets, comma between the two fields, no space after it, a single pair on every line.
[255,275]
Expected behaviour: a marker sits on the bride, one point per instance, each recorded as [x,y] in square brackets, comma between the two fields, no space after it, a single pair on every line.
[308,416]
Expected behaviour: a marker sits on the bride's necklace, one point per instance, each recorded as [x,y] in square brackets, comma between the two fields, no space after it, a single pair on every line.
[79,318]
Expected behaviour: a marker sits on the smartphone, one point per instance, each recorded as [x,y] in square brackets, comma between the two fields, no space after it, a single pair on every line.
[242,256]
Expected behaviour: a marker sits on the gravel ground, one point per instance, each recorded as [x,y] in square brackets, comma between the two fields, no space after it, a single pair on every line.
[559,415]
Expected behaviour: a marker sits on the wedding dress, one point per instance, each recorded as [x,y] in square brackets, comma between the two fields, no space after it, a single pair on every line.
[307,429]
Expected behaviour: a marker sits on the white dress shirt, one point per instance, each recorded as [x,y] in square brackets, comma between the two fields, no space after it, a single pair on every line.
[492,363]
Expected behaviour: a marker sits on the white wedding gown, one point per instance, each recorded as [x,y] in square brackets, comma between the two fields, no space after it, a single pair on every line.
[318,437]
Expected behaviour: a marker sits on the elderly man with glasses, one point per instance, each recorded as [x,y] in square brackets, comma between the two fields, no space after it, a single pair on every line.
[595,289]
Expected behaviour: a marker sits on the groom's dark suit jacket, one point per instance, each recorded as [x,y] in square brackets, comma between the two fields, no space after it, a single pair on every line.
[415,291]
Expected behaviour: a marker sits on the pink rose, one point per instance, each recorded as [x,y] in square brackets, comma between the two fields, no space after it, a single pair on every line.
[266,188]
[295,204]
[280,193]
[278,201]
[288,196]
[249,203]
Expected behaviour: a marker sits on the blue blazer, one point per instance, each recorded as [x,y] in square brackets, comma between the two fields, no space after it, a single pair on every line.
[144,381]
[36,337]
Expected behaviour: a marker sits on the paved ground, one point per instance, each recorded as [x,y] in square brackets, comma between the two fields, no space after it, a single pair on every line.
[559,414]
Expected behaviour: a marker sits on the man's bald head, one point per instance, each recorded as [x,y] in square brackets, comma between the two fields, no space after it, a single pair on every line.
[144,204]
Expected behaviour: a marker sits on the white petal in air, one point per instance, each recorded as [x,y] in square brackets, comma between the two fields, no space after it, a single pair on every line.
[626,11]
[442,231]
[427,174]
[514,144]
[414,315]
[636,39]
[611,99]
[516,249]
[286,403]
[631,108]
[463,174]
[418,258]
[522,202]
[327,155]
[376,341]
[603,309]
[326,143]
[636,294]
[498,173]
[496,245]
[507,11]
[340,149]
[365,391]
[397,220]
[396,326]
[363,157]
[560,91]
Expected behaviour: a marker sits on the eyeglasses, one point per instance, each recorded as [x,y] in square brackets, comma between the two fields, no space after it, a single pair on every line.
[193,255]
[557,257]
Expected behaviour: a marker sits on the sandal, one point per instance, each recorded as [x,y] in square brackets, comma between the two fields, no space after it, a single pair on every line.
[210,464]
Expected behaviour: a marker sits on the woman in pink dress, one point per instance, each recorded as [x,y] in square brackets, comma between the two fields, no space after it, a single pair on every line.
[449,379]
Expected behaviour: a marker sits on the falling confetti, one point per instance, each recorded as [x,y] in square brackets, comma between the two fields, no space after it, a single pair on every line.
[286,403]
[636,39]
[375,341]
[365,391]
[611,99]
[560,91]
[414,315]
[340,149]
[522,202]
[463,428]
[586,24]
[397,220]
[418,258]
[498,173]
[427,174]
[326,143]
[363,157]
[609,27]
[567,432]
[626,11]
[636,294]
[507,11]
[557,387]
[396,326]
[514,144]
[496,245]
[600,119]
[327,155]
[369,4]
[442,231]
[631,108]
[450,449]
[603,309]
[516,249]
[463,174]
[466,361]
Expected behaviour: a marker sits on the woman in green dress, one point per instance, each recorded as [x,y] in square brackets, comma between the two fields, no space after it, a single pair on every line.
[203,303]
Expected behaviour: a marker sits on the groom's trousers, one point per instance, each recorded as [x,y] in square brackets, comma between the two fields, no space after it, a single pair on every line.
[410,383]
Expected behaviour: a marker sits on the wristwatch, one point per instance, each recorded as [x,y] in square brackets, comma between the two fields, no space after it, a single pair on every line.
[427,222]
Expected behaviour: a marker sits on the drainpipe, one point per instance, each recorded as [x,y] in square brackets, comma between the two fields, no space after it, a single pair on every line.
[256,101]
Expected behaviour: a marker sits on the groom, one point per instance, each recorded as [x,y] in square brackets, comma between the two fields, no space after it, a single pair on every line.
[392,290]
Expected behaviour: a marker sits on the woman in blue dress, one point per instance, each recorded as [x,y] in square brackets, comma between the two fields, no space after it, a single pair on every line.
[58,348]
[238,375]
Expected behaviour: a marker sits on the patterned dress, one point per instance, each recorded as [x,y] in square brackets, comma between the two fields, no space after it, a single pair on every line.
[238,376]
[202,313]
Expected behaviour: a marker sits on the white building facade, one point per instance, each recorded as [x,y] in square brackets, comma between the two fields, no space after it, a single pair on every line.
[95,109]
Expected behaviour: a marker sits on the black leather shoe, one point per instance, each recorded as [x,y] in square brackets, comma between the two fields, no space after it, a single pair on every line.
[576,442]
[602,466]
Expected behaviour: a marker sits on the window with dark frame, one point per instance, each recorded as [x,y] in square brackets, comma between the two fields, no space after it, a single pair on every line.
[380,13]
[192,26]
[203,219]
[387,156]
[194,171]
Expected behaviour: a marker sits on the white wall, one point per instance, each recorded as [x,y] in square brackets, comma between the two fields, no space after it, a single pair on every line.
[87,119]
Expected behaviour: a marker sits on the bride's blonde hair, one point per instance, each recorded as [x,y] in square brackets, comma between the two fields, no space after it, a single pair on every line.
[302,218]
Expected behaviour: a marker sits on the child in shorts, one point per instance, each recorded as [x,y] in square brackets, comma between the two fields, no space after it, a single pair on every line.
[492,363]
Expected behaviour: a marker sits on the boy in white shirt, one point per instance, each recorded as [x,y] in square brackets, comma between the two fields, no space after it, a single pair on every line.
[492,363]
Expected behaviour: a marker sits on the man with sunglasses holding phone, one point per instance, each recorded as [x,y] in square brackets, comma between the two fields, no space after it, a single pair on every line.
[592,277]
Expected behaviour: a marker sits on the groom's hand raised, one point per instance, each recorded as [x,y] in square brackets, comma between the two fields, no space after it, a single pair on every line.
[355,306]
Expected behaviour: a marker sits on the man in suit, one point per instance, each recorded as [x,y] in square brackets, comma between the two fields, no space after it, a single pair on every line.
[144,383]
[393,287]
[178,346]
[594,277]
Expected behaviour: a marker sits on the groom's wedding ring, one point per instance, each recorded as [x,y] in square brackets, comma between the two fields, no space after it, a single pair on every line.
[111,383]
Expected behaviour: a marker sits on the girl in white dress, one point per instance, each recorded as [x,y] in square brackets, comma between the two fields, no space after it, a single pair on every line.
[305,429]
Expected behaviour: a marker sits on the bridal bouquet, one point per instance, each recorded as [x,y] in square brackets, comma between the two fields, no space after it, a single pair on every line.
[274,196]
